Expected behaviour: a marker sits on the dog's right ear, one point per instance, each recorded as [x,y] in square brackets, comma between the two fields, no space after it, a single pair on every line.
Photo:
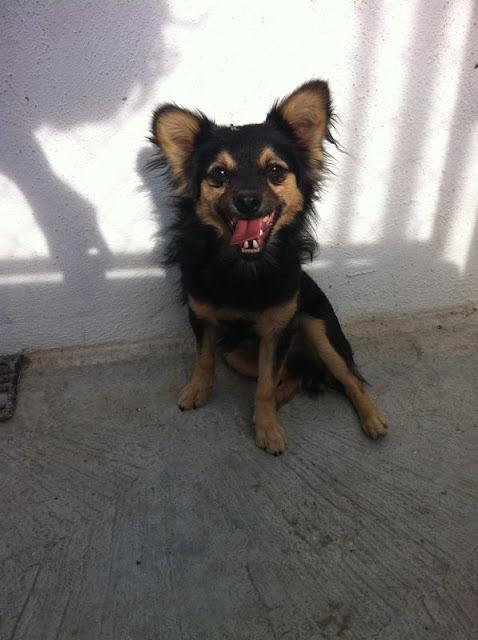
[175,131]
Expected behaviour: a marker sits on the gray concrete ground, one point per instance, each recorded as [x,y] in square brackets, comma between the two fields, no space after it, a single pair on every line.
[122,518]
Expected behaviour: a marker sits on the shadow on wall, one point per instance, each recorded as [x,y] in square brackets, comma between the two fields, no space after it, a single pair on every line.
[398,266]
[63,76]
[460,145]
[428,35]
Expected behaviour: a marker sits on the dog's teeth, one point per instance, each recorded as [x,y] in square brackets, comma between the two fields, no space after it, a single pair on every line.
[255,244]
[261,232]
[245,245]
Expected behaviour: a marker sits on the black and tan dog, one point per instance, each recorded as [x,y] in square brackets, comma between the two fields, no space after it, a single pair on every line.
[242,231]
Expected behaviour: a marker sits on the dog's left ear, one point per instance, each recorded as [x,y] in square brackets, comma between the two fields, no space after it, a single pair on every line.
[306,113]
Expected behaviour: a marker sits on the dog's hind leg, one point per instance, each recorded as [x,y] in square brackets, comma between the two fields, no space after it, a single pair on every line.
[287,388]
[196,393]
[244,358]
[315,333]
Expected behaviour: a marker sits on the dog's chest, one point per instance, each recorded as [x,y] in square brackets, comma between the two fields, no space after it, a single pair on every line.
[268,321]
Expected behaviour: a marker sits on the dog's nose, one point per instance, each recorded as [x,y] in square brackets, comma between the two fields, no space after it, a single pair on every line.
[247,202]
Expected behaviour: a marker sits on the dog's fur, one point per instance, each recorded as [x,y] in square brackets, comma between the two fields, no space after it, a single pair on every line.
[275,323]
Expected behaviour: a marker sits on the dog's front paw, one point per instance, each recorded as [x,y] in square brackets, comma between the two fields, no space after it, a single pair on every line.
[194,395]
[270,436]
[374,425]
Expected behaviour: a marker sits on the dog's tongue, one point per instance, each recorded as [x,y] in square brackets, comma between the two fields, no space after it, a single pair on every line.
[246,230]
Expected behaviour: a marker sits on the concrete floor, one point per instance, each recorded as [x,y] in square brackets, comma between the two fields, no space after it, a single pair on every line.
[123,518]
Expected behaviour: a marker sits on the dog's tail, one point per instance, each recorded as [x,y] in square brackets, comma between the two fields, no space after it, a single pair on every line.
[313,374]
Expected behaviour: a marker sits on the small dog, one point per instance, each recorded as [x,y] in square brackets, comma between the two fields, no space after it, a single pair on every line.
[241,234]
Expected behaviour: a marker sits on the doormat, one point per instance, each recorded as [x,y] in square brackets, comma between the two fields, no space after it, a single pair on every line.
[10,370]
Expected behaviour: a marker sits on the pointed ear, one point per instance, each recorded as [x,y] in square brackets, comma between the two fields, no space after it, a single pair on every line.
[175,131]
[307,113]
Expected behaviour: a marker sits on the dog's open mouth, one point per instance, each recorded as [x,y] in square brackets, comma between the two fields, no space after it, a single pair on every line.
[251,235]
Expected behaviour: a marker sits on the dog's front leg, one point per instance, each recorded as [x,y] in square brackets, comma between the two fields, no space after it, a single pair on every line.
[196,393]
[269,433]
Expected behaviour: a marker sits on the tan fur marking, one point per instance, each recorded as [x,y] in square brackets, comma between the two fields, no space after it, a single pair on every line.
[289,194]
[209,195]
[268,325]
[214,314]
[289,388]
[371,419]
[175,131]
[269,434]
[197,391]
[205,358]
[265,392]
[287,191]
[205,207]
[306,112]
[268,156]
[269,322]
[244,360]
[275,319]
[224,159]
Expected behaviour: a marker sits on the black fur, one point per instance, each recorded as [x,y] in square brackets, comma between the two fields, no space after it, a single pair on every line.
[210,271]
[213,272]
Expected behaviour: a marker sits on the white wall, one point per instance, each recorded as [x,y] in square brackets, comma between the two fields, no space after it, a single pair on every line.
[79,80]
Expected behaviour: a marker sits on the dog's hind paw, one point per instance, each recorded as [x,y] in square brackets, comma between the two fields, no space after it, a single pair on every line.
[286,390]
[194,396]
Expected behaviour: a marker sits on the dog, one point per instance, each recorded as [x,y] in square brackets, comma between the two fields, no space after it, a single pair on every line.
[242,231]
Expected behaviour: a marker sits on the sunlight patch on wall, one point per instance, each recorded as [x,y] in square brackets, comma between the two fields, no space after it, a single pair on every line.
[249,55]
[436,136]
[267,68]
[382,123]
[465,208]
[132,273]
[99,162]
[20,236]
[42,277]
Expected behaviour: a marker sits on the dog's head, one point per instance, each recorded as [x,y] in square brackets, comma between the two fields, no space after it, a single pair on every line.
[248,182]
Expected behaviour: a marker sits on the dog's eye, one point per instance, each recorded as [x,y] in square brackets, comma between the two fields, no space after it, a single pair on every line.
[276,173]
[217,176]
